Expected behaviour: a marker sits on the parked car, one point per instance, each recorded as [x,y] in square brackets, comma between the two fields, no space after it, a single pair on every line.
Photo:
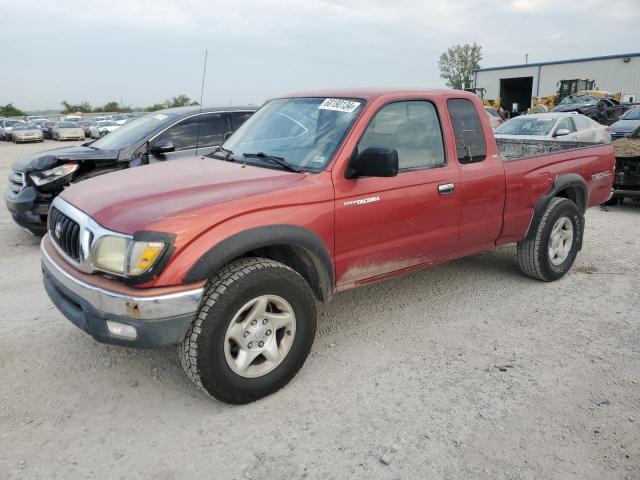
[24,132]
[494,117]
[158,136]
[39,122]
[628,125]
[72,118]
[86,126]
[626,140]
[120,118]
[603,110]
[313,195]
[6,127]
[568,127]
[106,118]
[67,131]
[101,128]
[47,130]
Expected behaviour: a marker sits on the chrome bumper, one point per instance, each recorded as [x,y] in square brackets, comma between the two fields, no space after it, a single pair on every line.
[115,304]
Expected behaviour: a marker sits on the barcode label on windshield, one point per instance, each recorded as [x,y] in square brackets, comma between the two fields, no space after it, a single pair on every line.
[339,105]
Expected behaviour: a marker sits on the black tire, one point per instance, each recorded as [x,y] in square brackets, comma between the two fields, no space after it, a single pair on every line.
[614,200]
[202,351]
[533,253]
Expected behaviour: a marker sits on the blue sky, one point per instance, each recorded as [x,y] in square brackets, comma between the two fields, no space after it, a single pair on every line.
[146,51]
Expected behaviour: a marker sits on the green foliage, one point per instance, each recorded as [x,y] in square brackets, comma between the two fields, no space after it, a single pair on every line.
[156,106]
[9,110]
[458,63]
[82,107]
[113,107]
[180,101]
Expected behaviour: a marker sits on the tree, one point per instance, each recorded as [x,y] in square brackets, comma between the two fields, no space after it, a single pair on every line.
[9,110]
[156,106]
[458,63]
[82,107]
[180,101]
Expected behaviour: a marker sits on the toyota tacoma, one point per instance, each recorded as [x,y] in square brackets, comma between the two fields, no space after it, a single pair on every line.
[227,254]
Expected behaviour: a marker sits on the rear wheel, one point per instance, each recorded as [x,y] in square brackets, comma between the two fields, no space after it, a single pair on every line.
[252,333]
[550,253]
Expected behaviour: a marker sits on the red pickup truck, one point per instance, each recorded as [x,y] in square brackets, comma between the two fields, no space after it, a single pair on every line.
[227,254]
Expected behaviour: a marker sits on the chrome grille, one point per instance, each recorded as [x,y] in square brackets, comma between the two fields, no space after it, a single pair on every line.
[16,183]
[65,232]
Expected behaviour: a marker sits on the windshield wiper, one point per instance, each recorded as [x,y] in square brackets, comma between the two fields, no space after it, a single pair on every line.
[273,159]
[228,153]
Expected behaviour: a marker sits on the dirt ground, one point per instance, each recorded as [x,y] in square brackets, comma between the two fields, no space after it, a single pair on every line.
[465,371]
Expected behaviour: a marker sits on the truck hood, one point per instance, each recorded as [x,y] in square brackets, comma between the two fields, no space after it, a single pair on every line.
[166,196]
[44,160]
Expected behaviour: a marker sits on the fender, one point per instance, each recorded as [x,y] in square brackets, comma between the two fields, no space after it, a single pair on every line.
[309,256]
[562,182]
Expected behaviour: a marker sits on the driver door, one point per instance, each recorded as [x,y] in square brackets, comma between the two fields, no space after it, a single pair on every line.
[387,224]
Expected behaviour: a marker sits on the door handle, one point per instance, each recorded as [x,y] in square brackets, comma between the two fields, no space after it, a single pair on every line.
[446,188]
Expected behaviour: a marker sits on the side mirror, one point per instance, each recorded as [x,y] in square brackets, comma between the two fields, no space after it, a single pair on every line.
[162,146]
[374,162]
[561,132]
[227,135]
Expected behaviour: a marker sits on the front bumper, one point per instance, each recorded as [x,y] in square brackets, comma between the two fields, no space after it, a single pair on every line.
[159,318]
[28,209]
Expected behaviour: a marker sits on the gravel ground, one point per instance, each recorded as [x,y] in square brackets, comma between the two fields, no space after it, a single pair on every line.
[465,371]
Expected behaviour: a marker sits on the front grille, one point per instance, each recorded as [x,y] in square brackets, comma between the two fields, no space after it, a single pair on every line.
[615,135]
[16,183]
[65,232]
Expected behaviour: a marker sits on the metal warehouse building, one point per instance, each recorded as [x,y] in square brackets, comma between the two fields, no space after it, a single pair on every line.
[518,83]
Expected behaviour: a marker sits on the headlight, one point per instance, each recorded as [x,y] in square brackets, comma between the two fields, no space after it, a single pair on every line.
[123,256]
[56,173]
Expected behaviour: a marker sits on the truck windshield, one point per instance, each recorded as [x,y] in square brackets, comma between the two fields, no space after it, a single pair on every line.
[304,132]
[133,131]
[526,125]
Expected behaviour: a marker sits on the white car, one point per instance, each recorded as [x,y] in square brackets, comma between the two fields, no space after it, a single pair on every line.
[6,127]
[569,127]
[101,128]
[494,117]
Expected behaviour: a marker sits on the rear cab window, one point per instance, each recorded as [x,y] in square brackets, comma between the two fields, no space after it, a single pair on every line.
[471,146]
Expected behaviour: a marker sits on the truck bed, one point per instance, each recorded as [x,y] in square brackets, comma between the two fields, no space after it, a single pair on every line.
[534,175]
[517,149]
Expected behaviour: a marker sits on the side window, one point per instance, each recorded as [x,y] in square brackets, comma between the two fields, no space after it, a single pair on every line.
[212,129]
[412,128]
[238,118]
[467,130]
[185,133]
[566,123]
[582,123]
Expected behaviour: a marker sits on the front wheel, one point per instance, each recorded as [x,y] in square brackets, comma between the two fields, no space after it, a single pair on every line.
[550,253]
[252,333]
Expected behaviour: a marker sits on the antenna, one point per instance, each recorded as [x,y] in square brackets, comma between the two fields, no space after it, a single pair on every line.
[204,73]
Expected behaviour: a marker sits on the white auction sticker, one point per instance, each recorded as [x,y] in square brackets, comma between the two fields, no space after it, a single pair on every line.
[160,116]
[339,105]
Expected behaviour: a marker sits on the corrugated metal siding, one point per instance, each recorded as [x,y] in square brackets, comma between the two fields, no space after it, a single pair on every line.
[612,74]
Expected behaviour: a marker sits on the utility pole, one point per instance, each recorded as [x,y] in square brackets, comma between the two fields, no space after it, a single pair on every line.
[526,58]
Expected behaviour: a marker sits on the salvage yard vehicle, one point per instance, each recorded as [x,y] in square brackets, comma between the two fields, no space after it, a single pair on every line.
[158,136]
[101,128]
[67,131]
[603,110]
[6,127]
[24,132]
[227,254]
[554,125]
[626,140]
